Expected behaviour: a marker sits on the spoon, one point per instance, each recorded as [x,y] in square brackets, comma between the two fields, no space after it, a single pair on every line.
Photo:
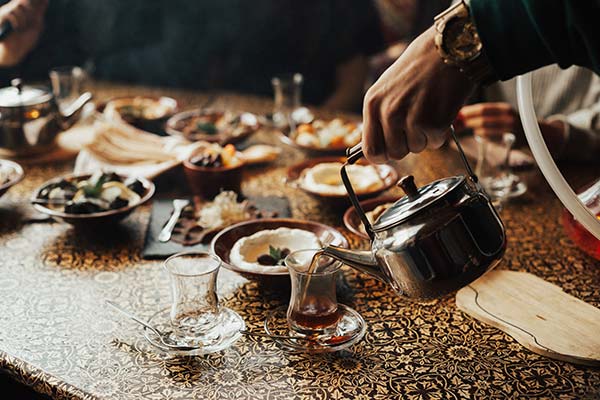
[167,231]
[161,335]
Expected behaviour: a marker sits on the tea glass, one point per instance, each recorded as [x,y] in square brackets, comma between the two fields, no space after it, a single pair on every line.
[195,304]
[313,309]
[288,97]
[67,85]
[499,182]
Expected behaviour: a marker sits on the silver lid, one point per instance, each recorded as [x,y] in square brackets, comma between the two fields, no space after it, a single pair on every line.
[13,96]
[416,201]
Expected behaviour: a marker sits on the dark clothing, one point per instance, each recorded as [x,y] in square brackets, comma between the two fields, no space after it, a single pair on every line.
[226,44]
[523,35]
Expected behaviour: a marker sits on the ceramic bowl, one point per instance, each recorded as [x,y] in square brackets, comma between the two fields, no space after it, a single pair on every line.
[207,182]
[156,125]
[93,220]
[174,126]
[223,242]
[16,175]
[352,221]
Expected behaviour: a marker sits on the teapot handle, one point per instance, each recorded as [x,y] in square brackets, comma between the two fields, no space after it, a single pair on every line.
[355,153]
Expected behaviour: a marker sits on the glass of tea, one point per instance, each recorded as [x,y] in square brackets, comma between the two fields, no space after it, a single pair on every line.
[313,308]
[67,84]
[195,305]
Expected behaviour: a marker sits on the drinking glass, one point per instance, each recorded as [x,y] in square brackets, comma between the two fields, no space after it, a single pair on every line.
[195,305]
[288,97]
[67,85]
[498,181]
[313,308]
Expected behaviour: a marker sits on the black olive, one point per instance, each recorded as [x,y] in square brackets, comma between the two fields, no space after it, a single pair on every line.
[285,252]
[266,259]
[82,208]
[137,187]
[118,203]
[110,177]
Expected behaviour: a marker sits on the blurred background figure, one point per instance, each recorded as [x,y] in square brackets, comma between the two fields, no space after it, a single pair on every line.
[225,45]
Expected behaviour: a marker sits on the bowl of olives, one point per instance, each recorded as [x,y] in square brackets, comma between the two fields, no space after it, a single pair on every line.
[90,200]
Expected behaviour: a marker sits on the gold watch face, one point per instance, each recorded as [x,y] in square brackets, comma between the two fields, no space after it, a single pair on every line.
[461,40]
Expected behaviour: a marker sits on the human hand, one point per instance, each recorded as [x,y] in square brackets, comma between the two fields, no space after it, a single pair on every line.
[412,104]
[490,120]
[27,20]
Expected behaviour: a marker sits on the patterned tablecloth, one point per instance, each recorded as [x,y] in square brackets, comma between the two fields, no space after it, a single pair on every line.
[57,335]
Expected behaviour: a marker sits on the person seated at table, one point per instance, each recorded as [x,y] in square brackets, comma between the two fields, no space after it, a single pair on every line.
[566,101]
[232,45]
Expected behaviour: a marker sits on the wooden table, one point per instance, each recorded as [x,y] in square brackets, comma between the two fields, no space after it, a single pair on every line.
[57,335]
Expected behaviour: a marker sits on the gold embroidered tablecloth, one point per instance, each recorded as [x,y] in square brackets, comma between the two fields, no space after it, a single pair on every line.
[57,335]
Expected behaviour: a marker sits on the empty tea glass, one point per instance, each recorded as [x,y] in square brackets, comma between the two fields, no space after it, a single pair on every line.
[288,97]
[67,85]
[195,305]
[313,308]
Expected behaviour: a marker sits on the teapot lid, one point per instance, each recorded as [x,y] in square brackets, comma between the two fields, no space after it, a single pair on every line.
[20,95]
[416,200]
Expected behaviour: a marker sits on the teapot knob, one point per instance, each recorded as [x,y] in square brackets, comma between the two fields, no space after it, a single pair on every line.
[17,83]
[407,184]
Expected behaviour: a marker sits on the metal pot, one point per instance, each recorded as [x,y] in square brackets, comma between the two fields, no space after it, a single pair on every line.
[30,118]
[433,241]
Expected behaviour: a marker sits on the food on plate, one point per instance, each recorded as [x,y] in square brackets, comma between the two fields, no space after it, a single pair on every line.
[374,214]
[334,134]
[222,211]
[260,153]
[98,193]
[140,108]
[212,155]
[325,179]
[203,124]
[264,251]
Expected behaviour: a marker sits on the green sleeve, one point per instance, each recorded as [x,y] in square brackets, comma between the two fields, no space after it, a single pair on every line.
[522,35]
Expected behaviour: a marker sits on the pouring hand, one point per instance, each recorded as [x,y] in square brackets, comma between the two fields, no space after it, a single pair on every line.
[27,20]
[412,104]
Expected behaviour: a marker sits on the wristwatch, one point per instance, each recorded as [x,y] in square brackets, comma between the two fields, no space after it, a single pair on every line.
[459,45]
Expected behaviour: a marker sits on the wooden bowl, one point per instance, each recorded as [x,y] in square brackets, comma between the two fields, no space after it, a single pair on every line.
[223,242]
[207,182]
[16,175]
[172,127]
[93,220]
[352,221]
[388,175]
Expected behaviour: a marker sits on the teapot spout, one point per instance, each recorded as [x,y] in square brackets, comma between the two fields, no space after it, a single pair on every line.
[363,261]
[71,113]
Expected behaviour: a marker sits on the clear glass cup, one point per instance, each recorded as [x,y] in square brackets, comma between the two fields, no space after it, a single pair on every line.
[313,308]
[498,180]
[67,84]
[287,90]
[195,304]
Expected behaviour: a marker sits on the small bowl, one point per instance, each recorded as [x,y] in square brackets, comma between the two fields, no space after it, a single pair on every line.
[223,242]
[223,138]
[155,125]
[207,182]
[16,175]
[92,220]
[388,175]
[284,136]
[352,221]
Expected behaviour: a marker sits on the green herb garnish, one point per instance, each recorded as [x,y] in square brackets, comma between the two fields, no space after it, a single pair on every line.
[207,127]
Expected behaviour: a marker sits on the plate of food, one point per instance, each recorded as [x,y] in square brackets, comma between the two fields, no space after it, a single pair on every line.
[11,173]
[373,209]
[213,125]
[90,200]
[144,112]
[321,178]
[256,249]
[324,136]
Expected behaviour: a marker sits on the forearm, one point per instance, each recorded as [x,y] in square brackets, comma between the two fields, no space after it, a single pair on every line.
[350,85]
[523,35]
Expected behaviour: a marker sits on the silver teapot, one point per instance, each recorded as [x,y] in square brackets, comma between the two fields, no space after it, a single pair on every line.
[436,239]
[30,118]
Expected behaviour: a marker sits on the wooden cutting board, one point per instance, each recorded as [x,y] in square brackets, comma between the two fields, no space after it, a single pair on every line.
[538,314]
